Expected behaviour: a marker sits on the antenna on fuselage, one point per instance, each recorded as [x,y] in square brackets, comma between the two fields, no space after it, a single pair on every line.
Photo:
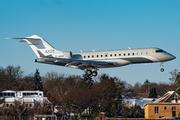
[93,50]
[129,48]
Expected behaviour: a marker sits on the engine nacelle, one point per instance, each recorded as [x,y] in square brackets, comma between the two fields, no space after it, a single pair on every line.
[67,55]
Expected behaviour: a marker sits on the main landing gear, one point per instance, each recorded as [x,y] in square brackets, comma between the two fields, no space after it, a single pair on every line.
[93,73]
[162,65]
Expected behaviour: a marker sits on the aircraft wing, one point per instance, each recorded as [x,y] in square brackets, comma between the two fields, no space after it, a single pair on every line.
[82,64]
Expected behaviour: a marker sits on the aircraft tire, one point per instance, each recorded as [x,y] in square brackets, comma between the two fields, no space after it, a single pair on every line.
[162,69]
[89,72]
[94,73]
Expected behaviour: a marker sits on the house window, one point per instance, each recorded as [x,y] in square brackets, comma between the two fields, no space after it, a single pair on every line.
[30,105]
[165,108]
[174,97]
[173,108]
[13,94]
[156,110]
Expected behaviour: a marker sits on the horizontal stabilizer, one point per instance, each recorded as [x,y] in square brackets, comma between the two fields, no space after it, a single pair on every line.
[24,39]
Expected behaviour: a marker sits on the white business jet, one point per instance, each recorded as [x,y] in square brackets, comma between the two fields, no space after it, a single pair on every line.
[95,60]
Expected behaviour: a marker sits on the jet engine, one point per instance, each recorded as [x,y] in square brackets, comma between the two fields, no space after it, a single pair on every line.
[68,55]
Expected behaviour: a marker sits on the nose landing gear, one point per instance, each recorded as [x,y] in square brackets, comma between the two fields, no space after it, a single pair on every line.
[162,65]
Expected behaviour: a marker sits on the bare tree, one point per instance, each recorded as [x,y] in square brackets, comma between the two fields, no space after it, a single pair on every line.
[174,74]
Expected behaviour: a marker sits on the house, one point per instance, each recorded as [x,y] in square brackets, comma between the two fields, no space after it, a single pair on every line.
[27,98]
[132,102]
[166,106]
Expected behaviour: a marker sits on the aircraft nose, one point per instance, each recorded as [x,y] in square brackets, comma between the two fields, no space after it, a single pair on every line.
[172,57]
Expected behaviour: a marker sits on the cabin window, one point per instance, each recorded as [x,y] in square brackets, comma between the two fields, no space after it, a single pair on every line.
[1,94]
[128,54]
[26,105]
[84,56]
[137,53]
[119,54]
[105,55]
[156,110]
[115,55]
[111,55]
[88,56]
[124,54]
[92,56]
[7,105]
[11,105]
[97,55]
[132,53]
[146,53]
[141,53]
[101,55]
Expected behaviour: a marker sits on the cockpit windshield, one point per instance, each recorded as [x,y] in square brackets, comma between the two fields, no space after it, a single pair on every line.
[157,51]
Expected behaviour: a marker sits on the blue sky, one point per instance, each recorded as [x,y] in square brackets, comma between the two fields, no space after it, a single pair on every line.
[75,25]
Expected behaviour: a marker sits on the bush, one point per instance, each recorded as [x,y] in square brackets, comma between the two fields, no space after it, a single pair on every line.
[87,115]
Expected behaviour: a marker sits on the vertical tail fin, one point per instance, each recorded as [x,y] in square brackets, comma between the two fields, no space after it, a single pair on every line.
[39,45]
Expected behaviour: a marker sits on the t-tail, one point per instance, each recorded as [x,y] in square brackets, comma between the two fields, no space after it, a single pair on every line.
[42,48]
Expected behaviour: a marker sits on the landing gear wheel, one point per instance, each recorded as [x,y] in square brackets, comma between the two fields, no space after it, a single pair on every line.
[89,72]
[94,73]
[162,69]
